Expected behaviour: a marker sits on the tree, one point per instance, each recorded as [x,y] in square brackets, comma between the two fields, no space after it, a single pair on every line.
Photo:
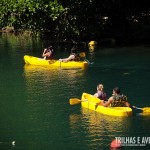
[80,19]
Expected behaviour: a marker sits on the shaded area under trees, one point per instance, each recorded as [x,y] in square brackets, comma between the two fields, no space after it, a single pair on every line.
[80,20]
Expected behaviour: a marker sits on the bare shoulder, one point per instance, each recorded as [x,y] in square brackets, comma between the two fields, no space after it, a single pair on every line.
[110,99]
[95,95]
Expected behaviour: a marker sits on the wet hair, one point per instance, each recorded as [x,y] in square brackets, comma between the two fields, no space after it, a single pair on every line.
[117,90]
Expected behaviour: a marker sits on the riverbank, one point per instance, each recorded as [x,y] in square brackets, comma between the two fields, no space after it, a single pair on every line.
[103,42]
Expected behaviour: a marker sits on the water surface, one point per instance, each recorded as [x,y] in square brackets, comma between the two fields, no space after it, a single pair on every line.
[34,101]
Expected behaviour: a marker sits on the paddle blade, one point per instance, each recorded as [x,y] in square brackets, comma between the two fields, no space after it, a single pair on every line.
[74,101]
[146,110]
[82,54]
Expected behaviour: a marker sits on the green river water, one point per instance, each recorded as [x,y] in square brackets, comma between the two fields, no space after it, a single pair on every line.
[34,101]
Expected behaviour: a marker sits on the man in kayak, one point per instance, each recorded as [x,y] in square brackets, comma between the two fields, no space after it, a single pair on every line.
[48,53]
[117,100]
[100,93]
[72,57]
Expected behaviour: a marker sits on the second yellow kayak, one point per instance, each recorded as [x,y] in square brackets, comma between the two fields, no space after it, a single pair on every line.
[93,103]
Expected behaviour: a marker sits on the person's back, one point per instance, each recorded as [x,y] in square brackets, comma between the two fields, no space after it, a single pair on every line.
[119,101]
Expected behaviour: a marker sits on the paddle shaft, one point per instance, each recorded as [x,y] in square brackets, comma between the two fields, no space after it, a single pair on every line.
[143,110]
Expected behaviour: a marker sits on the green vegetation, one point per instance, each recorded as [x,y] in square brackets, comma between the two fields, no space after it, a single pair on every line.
[78,19]
[34,15]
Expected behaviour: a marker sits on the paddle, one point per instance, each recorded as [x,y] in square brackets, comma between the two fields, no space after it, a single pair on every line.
[82,54]
[145,110]
[74,101]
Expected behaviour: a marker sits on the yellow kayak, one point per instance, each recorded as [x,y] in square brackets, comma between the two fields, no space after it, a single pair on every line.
[30,60]
[93,103]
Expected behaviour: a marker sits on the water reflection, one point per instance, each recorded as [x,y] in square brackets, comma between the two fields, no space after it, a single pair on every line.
[35,108]
[103,122]
[46,73]
[47,97]
[42,81]
[99,129]
[91,56]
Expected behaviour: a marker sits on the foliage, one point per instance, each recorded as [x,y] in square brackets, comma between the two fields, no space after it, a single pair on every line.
[35,15]
[81,18]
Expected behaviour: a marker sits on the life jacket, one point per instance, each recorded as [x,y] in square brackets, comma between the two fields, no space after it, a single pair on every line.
[102,95]
[119,101]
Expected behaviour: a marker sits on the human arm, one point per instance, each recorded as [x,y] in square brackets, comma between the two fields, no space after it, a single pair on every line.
[46,54]
[107,103]
[43,54]
[129,105]
[71,57]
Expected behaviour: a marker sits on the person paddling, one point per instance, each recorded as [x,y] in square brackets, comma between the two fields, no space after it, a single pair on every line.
[72,57]
[117,100]
[48,53]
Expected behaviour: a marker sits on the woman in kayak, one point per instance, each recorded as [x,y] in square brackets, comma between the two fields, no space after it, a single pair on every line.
[100,93]
[48,53]
[72,57]
[117,100]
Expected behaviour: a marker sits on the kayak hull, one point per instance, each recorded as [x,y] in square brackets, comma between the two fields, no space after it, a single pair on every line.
[93,103]
[30,60]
